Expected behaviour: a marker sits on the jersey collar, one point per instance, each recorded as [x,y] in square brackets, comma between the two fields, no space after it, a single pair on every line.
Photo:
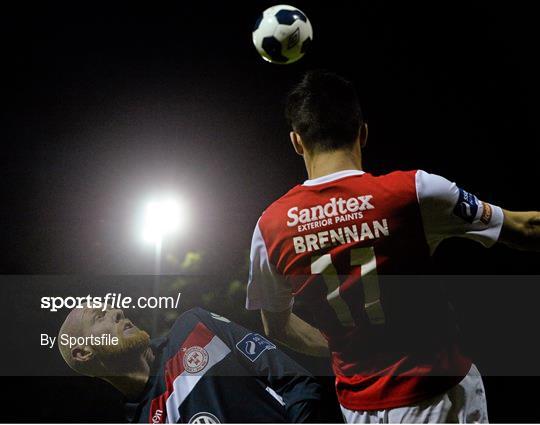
[331,177]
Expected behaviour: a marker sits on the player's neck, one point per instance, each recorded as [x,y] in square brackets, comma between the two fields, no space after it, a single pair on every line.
[131,382]
[324,163]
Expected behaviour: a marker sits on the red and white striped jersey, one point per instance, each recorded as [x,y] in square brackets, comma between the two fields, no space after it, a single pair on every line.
[348,249]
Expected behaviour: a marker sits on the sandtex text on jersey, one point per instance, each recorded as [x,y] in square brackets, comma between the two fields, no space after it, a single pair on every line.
[334,211]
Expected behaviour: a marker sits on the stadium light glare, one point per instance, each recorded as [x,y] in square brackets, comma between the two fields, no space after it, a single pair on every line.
[162,218]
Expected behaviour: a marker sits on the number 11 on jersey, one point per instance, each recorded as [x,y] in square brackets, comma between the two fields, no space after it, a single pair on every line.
[366,260]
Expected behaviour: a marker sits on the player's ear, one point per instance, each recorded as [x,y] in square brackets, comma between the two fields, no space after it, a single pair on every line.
[297,143]
[81,355]
[363,135]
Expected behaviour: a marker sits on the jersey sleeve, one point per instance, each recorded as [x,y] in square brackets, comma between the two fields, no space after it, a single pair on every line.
[284,379]
[449,211]
[267,289]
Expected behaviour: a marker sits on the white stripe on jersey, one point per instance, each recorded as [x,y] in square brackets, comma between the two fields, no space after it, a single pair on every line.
[185,382]
[331,177]
[275,395]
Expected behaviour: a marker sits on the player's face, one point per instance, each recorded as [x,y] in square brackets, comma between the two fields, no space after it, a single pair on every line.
[112,322]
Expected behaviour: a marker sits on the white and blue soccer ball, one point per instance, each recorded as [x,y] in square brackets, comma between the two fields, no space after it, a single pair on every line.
[282,34]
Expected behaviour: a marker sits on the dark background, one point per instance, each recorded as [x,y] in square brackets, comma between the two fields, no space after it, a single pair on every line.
[104,104]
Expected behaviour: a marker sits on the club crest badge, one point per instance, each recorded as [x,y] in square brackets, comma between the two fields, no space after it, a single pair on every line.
[204,418]
[195,359]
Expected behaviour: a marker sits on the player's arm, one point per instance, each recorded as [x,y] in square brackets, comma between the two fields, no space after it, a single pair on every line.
[448,211]
[521,230]
[287,328]
[270,292]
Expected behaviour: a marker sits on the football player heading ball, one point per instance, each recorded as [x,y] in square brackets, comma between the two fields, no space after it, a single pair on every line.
[333,244]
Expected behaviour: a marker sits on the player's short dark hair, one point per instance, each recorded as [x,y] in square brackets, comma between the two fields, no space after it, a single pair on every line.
[324,109]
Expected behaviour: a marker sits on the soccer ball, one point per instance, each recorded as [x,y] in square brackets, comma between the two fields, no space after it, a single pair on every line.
[282,34]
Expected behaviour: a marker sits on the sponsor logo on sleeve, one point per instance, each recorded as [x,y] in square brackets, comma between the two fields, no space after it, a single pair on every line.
[466,206]
[486,213]
[253,345]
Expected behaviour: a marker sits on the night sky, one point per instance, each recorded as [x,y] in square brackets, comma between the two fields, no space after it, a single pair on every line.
[105,105]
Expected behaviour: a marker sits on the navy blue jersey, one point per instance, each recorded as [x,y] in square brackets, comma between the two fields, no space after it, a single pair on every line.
[210,370]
